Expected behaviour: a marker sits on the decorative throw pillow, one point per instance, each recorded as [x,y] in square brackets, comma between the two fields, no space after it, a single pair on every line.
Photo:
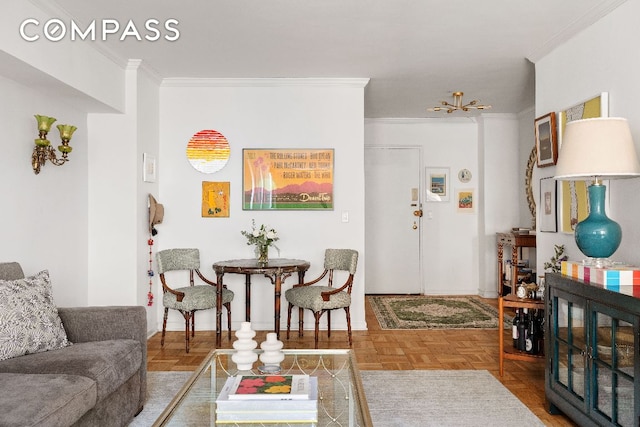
[29,321]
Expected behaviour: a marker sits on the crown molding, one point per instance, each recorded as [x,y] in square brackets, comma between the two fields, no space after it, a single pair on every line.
[580,23]
[264,82]
[419,120]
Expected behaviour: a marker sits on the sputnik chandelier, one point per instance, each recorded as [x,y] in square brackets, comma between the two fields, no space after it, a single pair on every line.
[458,105]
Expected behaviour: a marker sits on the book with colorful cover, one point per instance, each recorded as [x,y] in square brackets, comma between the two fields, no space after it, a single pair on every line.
[269,387]
[225,405]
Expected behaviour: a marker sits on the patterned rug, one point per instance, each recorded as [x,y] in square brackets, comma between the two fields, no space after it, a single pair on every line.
[434,312]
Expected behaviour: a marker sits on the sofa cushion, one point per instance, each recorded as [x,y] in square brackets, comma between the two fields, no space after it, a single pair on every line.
[44,400]
[29,321]
[109,363]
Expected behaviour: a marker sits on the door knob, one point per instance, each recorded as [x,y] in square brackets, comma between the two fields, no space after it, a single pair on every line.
[415,226]
[418,213]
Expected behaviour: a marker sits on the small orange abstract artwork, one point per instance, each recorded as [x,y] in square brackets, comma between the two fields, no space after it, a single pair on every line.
[215,199]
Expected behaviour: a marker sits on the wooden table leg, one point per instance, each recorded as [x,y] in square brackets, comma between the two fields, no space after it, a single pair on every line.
[276,303]
[219,309]
[247,293]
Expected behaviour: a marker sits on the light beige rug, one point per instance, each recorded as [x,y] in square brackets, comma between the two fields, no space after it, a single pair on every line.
[421,398]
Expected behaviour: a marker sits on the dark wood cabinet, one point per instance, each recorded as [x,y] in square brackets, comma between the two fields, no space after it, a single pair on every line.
[592,371]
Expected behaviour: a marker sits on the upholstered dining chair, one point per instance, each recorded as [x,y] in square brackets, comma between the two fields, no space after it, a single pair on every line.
[324,298]
[190,298]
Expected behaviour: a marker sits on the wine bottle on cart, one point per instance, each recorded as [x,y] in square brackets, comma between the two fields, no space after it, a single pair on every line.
[514,328]
[522,329]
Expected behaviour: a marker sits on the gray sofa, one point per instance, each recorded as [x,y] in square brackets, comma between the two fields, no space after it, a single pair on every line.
[100,380]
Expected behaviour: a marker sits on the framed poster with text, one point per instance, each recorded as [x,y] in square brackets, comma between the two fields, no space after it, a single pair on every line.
[287,179]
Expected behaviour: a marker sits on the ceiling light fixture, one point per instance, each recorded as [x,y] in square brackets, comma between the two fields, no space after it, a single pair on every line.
[458,105]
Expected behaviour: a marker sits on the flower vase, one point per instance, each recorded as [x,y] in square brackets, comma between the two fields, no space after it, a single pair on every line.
[263,254]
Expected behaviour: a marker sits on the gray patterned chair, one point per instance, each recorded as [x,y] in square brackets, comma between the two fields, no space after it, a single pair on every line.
[324,298]
[188,299]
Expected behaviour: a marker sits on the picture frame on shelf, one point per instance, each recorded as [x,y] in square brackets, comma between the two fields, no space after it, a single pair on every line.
[437,184]
[546,140]
[548,202]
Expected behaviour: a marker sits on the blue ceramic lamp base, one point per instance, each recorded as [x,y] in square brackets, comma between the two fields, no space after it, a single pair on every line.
[598,236]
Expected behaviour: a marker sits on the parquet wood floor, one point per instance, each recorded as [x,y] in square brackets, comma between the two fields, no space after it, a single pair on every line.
[378,349]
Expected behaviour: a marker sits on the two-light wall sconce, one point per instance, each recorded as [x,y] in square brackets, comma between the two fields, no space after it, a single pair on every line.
[43,150]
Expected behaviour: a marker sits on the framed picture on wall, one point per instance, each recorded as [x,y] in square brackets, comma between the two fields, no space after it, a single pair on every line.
[546,140]
[437,187]
[465,198]
[598,106]
[573,197]
[548,201]
[215,199]
[287,179]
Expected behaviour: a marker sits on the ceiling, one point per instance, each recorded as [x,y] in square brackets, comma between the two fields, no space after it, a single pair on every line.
[415,52]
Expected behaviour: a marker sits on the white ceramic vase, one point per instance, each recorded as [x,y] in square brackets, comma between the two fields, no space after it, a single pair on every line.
[244,357]
[272,353]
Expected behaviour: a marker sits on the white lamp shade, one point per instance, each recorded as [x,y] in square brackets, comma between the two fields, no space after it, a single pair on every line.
[600,147]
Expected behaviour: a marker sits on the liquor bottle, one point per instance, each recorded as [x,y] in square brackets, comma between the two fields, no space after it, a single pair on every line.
[514,328]
[540,337]
[522,329]
[531,335]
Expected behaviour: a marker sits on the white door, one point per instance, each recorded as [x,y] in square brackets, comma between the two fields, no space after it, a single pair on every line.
[392,230]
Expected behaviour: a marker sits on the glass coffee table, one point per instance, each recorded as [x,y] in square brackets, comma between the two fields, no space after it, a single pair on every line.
[341,399]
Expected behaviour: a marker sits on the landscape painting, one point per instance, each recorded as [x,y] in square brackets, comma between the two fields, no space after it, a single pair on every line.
[287,179]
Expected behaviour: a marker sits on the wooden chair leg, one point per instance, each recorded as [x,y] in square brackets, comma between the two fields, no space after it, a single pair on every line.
[186,315]
[164,326]
[346,309]
[193,324]
[328,323]
[289,308]
[228,307]
[317,315]
[300,321]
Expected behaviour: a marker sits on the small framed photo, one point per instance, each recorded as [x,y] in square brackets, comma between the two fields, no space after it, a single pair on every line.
[548,200]
[546,140]
[465,198]
[437,184]
[148,168]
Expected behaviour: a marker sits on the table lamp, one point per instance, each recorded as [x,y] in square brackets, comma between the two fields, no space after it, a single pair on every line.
[593,150]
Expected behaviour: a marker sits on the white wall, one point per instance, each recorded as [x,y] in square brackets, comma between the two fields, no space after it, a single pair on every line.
[73,71]
[85,221]
[262,114]
[600,59]
[453,247]
[43,220]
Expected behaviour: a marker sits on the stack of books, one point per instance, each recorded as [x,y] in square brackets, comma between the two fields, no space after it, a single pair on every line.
[268,399]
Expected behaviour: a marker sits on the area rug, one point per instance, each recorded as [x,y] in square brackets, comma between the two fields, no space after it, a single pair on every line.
[161,389]
[440,398]
[433,312]
[420,398]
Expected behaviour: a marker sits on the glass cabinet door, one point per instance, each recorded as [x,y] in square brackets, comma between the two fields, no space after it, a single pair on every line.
[568,347]
[612,335]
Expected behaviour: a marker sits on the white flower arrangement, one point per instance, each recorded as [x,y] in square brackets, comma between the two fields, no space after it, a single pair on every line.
[262,236]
